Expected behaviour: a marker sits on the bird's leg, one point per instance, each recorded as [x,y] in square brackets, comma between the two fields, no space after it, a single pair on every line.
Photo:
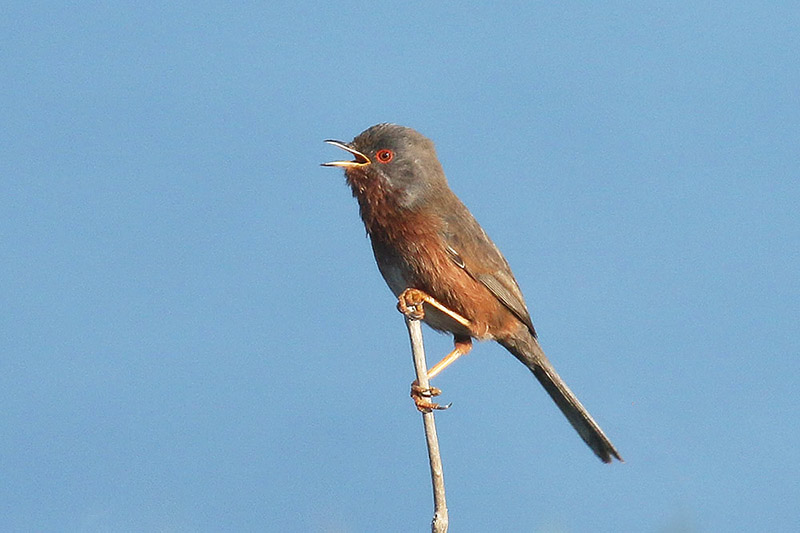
[410,304]
[463,345]
[421,395]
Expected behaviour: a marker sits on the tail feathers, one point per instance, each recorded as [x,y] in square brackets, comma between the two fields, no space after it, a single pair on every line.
[529,352]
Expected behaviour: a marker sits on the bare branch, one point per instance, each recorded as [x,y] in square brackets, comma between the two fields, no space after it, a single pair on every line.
[440,518]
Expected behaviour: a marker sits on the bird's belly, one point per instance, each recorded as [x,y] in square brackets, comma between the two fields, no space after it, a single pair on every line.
[395,277]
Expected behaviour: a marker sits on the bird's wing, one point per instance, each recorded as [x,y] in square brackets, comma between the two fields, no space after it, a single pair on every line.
[472,250]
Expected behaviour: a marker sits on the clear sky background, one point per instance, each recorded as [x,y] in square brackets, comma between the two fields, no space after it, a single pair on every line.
[194,335]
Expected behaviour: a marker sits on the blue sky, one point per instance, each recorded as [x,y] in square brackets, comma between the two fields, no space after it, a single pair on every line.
[195,336]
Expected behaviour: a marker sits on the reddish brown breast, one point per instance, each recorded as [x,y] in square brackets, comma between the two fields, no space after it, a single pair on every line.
[411,254]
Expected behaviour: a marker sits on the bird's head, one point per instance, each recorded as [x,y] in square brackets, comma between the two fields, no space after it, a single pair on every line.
[397,160]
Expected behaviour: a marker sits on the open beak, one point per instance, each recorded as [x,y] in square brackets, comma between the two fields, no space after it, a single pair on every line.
[359,161]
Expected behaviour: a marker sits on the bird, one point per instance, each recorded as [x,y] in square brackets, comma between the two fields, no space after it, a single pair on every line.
[430,249]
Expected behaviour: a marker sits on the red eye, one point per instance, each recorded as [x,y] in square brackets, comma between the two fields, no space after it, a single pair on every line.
[384,156]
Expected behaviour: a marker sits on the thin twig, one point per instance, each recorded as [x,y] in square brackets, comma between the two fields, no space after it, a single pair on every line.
[440,519]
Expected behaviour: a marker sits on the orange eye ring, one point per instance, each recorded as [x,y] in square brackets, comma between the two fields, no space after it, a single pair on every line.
[384,156]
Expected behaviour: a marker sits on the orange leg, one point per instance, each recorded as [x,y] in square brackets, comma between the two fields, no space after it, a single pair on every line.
[410,304]
[463,345]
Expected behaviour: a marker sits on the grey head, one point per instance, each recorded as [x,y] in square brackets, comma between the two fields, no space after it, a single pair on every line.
[396,159]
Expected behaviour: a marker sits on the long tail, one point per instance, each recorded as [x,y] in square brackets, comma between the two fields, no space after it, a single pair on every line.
[526,348]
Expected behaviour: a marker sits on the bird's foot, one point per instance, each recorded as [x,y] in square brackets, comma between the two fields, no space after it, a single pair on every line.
[422,395]
[410,303]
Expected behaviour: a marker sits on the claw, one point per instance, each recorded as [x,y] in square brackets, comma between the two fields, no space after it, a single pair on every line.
[429,392]
[420,394]
[425,406]
[410,304]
